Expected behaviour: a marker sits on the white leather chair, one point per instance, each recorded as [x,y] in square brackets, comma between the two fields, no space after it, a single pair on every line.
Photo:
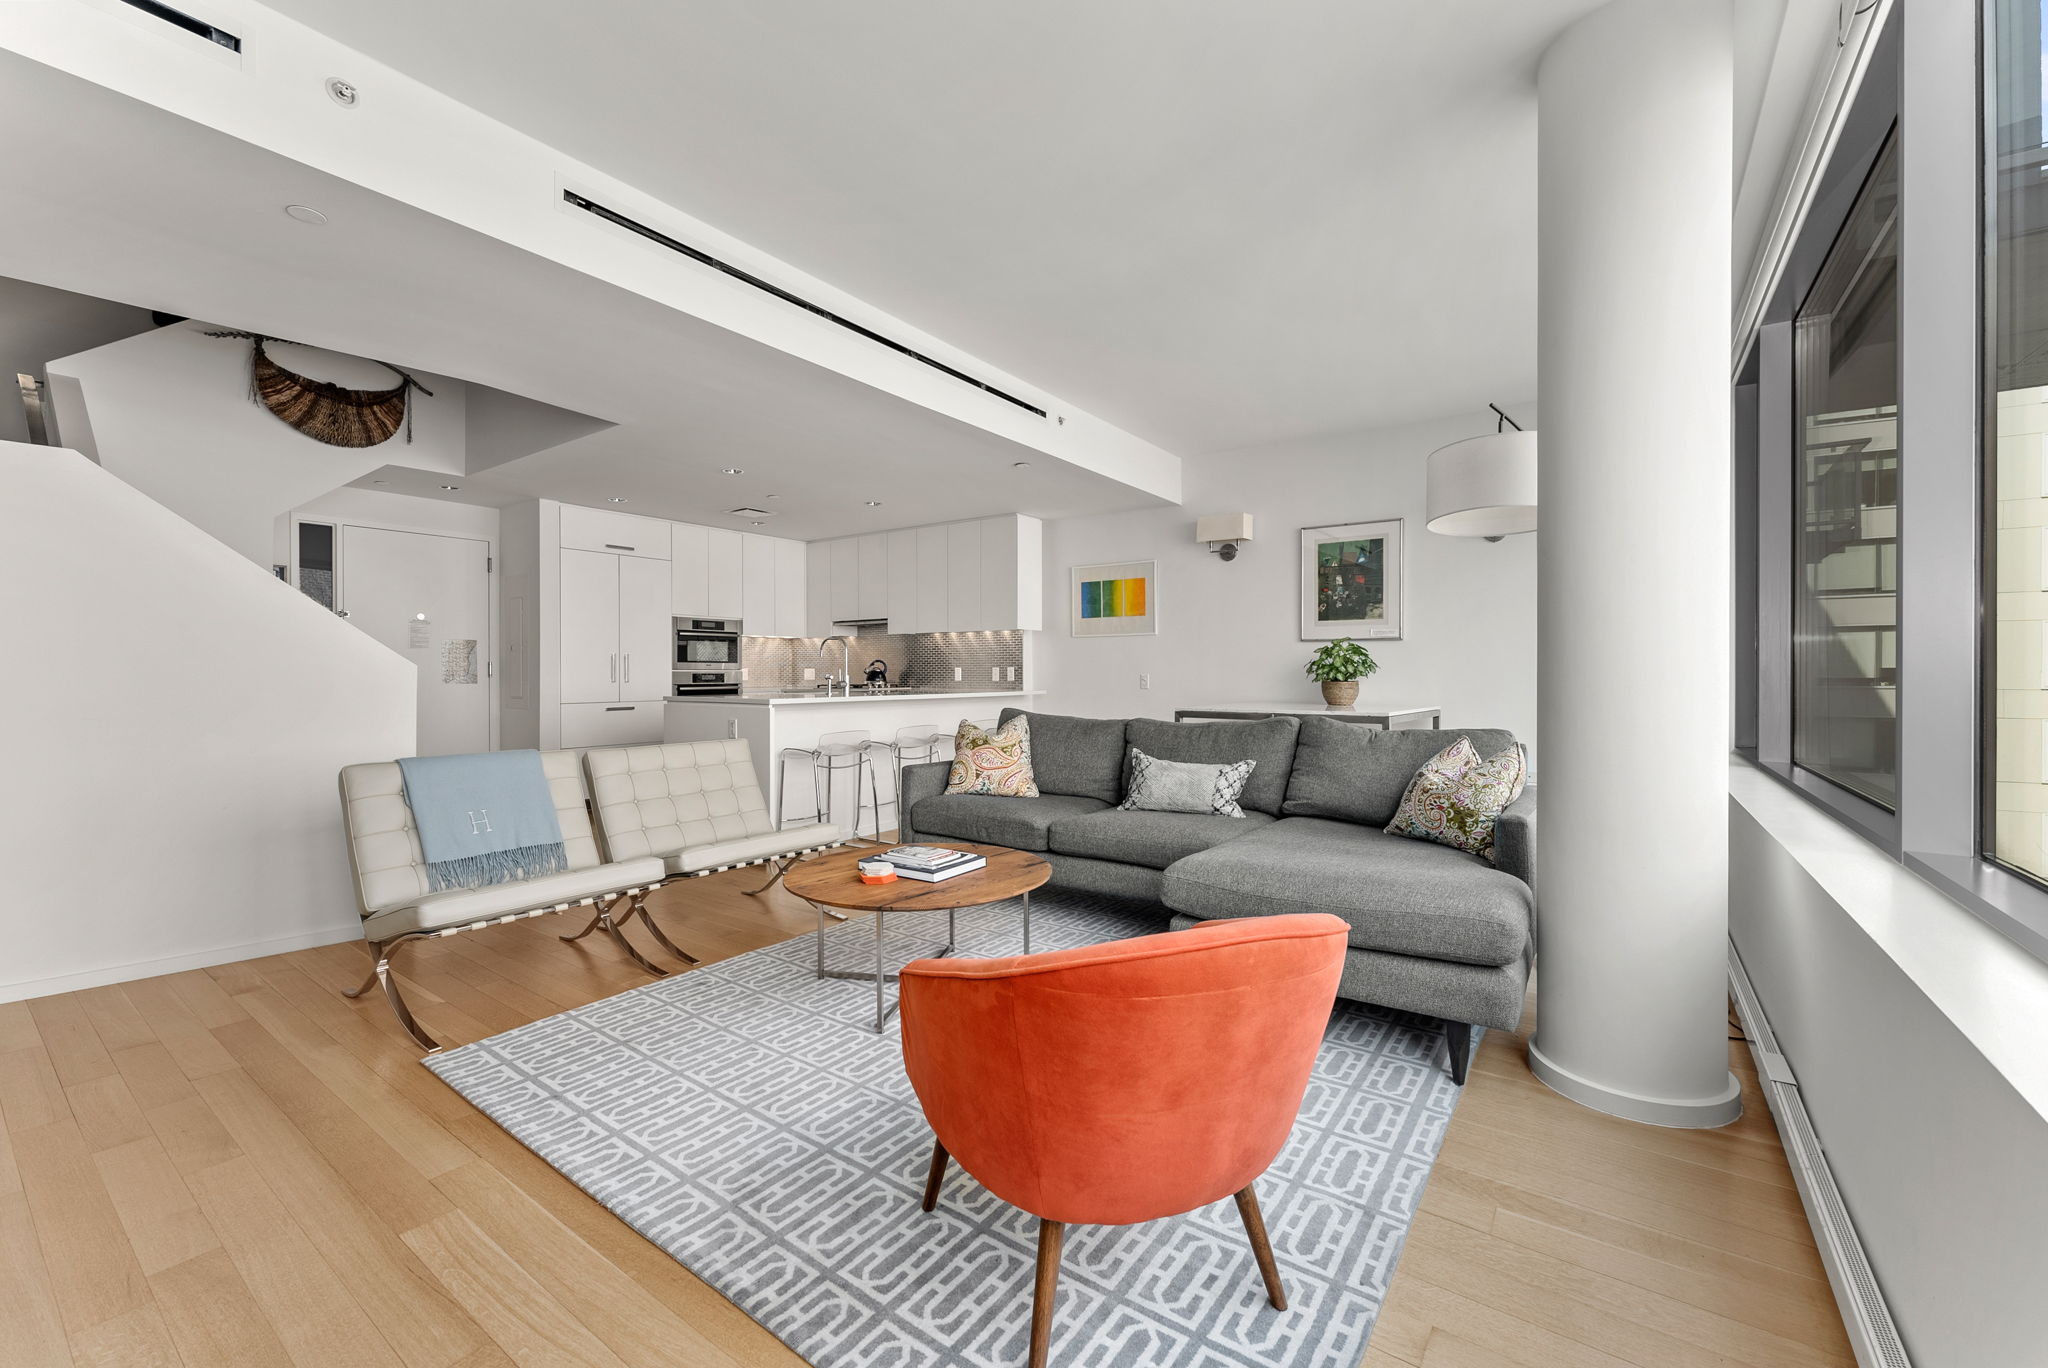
[697,807]
[397,905]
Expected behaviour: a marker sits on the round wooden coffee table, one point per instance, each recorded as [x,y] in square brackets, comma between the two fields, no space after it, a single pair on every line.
[833,881]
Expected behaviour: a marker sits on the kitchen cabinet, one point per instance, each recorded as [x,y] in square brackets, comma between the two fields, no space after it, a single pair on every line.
[791,578]
[689,570]
[844,588]
[614,629]
[872,586]
[979,575]
[899,603]
[931,579]
[723,573]
[963,577]
[757,584]
[818,590]
[622,534]
[611,724]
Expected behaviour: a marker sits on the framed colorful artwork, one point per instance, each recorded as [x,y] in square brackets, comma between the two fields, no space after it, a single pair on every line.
[1115,600]
[1351,581]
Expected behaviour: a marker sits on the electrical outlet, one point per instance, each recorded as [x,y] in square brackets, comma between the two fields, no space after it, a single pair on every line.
[732,729]
[956,674]
[1013,674]
[1144,681]
[995,674]
[810,675]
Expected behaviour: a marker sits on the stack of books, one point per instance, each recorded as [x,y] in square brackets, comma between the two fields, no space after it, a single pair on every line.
[932,864]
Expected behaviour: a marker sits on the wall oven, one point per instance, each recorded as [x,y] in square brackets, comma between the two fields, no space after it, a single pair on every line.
[691,683]
[705,642]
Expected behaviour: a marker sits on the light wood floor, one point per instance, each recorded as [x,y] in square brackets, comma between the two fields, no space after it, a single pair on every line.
[238,1166]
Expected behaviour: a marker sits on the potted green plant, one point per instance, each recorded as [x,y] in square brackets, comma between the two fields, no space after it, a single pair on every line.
[1338,666]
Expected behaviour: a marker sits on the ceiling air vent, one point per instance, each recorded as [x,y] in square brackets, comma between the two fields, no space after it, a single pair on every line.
[663,239]
[748,513]
[219,36]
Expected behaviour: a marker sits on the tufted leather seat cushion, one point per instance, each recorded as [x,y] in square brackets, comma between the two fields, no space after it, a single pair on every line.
[391,873]
[685,798]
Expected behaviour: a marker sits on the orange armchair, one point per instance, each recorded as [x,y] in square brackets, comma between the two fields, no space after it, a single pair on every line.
[1123,1082]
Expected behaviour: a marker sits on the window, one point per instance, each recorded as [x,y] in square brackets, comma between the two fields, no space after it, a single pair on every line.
[2016,479]
[1845,632]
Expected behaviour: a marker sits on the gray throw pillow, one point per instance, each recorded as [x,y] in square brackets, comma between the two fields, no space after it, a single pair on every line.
[1177,786]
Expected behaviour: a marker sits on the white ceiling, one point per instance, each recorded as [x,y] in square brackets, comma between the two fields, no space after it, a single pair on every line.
[135,205]
[1213,225]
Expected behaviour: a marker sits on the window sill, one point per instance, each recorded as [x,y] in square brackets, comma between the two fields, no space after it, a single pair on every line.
[1990,987]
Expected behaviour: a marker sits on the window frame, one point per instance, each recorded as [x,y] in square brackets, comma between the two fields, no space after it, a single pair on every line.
[1932,69]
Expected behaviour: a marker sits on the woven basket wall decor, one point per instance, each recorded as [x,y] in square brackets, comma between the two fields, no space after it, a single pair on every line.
[326,412]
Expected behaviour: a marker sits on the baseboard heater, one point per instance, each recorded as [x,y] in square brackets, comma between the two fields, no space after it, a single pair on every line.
[1864,1312]
[591,206]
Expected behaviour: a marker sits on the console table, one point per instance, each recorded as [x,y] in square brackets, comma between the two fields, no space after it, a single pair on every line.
[1386,719]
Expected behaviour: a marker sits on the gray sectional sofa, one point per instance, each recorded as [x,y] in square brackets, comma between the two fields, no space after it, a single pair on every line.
[1434,930]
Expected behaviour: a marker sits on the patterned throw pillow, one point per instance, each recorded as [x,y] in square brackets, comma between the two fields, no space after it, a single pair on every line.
[1457,798]
[996,763]
[1176,786]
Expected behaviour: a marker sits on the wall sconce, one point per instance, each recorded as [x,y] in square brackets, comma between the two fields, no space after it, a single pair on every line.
[1223,531]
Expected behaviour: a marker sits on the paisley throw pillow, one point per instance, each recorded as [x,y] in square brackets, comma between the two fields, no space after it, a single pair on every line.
[996,763]
[1456,798]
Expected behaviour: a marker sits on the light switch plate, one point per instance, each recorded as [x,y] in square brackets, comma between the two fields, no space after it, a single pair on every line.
[995,674]
[1144,681]
[956,674]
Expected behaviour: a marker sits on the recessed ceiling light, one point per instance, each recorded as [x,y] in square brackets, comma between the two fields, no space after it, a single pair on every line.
[771,496]
[616,501]
[874,503]
[451,488]
[1020,465]
[758,523]
[305,213]
[380,482]
[734,470]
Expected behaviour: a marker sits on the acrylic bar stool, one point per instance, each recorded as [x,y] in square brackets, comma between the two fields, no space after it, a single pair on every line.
[835,753]
[912,746]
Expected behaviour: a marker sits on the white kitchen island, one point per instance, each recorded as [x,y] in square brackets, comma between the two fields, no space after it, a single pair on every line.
[770,721]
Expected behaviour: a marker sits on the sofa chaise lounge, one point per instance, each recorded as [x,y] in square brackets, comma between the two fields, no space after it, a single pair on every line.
[1433,929]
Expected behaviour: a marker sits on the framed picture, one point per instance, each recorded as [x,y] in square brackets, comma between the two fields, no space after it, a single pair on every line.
[1118,599]
[1351,581]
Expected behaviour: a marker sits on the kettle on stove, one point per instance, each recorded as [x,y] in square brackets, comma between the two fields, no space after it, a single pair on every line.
[877,672]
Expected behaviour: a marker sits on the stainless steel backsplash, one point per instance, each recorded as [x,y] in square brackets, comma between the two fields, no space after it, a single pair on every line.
[924,660]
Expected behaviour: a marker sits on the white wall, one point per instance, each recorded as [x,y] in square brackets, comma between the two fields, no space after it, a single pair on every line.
[37,324]
[1915,1033]
[1231,632]
[170,413]
[179,717]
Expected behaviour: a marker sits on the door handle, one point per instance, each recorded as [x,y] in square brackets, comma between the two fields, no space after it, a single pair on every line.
[615,669]
[627,708]
[629,667]
[614,546]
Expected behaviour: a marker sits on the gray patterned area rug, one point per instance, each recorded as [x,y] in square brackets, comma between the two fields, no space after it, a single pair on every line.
[746,1118]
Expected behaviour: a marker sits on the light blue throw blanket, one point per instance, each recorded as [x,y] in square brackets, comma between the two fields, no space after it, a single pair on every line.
[484,819]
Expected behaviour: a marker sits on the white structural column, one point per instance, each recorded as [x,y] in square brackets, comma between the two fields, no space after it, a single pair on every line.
[1633,567]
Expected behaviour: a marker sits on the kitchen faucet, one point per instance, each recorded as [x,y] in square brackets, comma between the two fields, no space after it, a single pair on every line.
[845,675]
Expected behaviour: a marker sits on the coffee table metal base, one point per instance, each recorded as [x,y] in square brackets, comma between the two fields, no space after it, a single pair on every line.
[884,1009]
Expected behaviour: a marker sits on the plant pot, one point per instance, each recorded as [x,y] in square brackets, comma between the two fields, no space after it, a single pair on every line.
[1340,693]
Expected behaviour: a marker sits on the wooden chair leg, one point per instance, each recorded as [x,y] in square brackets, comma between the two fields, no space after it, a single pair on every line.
[936,1176]
[1051,1235]
[1262,1248]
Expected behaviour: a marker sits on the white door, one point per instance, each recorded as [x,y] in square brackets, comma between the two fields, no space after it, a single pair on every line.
[428,597]
[590,626]
[646,634]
